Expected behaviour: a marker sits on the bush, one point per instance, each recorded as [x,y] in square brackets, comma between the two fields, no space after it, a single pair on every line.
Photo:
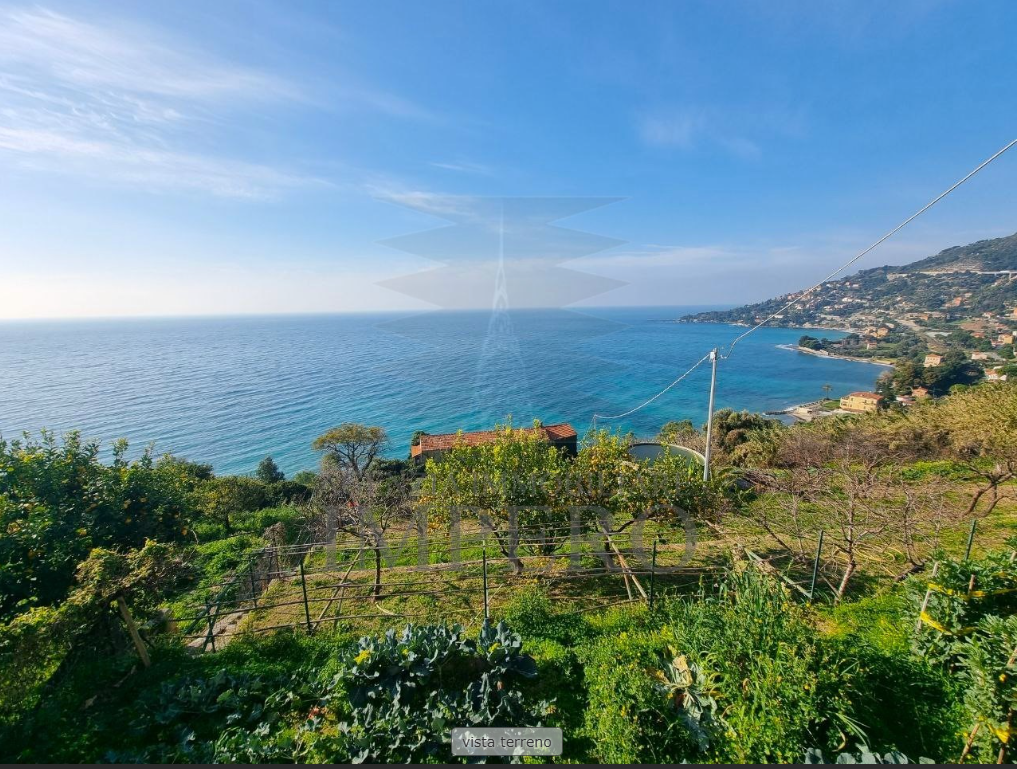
[560,682]
[405,692]
[951,613]
[530,613]
[255,523]
[779,686]
[625,717]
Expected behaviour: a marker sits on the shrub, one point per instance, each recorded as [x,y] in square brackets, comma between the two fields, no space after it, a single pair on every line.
[560,681]
[960,596]
[625,717]
[407,691]
[778,685]
[530,612]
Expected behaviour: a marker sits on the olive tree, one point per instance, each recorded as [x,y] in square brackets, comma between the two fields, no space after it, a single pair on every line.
[352,446]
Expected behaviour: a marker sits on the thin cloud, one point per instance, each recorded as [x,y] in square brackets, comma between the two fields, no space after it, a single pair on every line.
[124,104]
[463,167]
[736,131]
[152,168]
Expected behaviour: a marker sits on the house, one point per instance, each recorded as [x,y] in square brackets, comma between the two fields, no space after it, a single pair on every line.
[984,356]
[905,400]
[920,392]
[1005,338]
[882,331]
[995,375]
[861,402]
[562,436]
[957,301]
[933,359]
[1015,312]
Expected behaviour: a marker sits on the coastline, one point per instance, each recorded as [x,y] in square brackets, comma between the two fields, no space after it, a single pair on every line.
[824,354]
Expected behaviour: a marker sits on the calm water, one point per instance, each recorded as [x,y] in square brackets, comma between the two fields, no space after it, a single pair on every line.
[231,390]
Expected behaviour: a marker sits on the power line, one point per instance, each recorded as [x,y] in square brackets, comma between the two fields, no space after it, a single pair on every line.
[804,294]
[854,259]
[651,400]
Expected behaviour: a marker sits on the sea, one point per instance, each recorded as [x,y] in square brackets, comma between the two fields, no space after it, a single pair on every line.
[231,390]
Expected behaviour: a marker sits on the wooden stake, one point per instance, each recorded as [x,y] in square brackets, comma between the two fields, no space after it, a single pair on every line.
[133,630]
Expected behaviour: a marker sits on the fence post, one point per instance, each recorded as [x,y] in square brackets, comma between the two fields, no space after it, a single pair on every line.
[925,601]
[487,614]
[653,574]
[971,539]
[303,589]
[254,592]
[211,625]
[815,566]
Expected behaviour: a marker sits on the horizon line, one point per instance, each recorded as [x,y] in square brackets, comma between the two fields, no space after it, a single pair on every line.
[333,313]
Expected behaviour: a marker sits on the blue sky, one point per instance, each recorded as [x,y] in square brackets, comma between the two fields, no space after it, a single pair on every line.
[205,158]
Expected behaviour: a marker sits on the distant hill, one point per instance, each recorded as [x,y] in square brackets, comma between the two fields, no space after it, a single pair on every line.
[986,255]
[956,284]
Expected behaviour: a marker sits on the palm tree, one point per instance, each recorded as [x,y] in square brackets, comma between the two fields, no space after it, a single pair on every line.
[827,388]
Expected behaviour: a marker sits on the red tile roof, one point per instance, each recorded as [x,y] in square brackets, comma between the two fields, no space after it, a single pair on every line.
[445,441]
[867,396]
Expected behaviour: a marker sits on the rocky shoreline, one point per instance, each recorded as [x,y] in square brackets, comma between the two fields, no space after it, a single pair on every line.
[824,354]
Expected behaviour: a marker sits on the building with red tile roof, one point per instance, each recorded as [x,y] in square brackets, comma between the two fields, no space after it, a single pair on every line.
[561,435]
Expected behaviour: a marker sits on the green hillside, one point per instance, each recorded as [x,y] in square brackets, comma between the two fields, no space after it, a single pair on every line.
[884,294]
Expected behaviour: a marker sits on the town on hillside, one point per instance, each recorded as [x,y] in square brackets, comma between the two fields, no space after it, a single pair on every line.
[943,322]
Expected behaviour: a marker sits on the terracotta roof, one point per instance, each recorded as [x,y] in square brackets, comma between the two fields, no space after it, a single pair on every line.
[445,441]
[867,396]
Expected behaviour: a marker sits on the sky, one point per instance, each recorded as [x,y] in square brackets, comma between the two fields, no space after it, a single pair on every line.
[204,158]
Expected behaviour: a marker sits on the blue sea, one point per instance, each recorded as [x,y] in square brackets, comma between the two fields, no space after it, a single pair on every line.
[230,391]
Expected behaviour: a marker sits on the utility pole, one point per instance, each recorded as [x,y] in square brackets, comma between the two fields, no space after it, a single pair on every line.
[709,415]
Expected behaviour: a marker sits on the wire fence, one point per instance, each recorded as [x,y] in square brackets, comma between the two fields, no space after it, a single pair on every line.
[366,582]
[360,582]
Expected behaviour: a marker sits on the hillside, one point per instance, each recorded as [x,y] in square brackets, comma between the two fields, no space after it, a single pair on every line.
[956,285]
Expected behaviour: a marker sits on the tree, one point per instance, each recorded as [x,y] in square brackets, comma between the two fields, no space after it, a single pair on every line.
[509,485]
[733,428]
[363,506]
[844,476]
[58,501]
[678,432]
[223,499]
[981,423]
[305,478]
[352,446]
[268,471]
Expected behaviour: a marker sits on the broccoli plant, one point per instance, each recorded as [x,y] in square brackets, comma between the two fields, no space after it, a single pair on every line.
[408,691]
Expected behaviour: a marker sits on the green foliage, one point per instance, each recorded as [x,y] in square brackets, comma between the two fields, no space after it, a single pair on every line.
[515,481]
[626,718]
[862,756]
[305,478]
[946,469]
[352,446]
[531,613]
[677,432]
[779,686]
[268,471]
[408,690]
[223,500]
[989,664]
[224,718]
[58,502]
[35,643]
[732,428]
[961,595]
